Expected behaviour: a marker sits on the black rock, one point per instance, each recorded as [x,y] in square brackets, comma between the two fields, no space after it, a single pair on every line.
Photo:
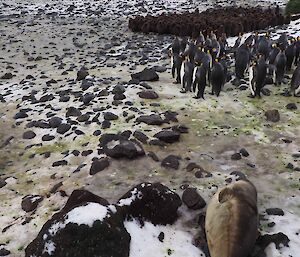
[97,133]
[59,163]
[278,239]
[146,75]
[99,165]
[272,115]
[291,106]
[153,156]
[171,161]
[54,122]
[81,74]
[118,89]
[21,115]
[140,136]
[106,124]
[275,211]
[72,111]
[110,116]
[29,134]
[86,84]
[152,119]
[2,183]
[87,98]
[63,128]
[244,152]
[4,252]
[192,199]
[30,202]
[83,117]
[7,76]
[152,202]
[103,234]
[130,149]
[236,156]
[64,98]
[181,129]
[160,68]
[161,236]
[119,97]
[240,175]
[148,94]
[47,137]
[168,136]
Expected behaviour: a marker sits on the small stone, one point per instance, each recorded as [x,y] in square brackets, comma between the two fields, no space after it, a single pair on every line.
[275,211]
[63,128]
[272,115]
[7,76]
[168,136]
[192,199]
[29,135]
[30,202]
[171,161]
[148,94]
[244,152]
[161,236]
[291,106]
[236,156]
[153,156]
[110,116]
[47,137]
[99,165]
[290,166]
[81,74]
[4,252]
[59,163]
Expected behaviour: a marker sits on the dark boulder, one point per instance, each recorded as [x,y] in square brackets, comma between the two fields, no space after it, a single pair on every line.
[30,202]
[171,161]
[29,134]
[148,94]
[151,119]
[168,136]
[86,226]
[99,165]
[146,75]
[192,199]
[272,115]
[152,202]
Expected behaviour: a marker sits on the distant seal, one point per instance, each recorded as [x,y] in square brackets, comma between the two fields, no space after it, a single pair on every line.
[231,223]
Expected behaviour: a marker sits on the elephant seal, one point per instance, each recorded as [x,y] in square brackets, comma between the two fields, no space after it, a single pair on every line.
[231,223]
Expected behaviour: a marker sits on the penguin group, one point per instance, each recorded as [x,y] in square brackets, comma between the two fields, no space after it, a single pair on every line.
[199,62]
[205,61]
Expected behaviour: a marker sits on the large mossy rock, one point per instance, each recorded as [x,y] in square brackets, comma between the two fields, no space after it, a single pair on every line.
[86,226]
[152,202]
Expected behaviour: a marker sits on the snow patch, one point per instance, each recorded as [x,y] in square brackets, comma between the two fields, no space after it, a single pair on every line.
[87,214]
[145,242]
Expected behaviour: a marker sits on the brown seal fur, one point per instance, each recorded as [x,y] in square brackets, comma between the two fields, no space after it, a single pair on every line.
[232,220]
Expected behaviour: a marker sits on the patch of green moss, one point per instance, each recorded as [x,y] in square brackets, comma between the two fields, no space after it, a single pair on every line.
[56,147]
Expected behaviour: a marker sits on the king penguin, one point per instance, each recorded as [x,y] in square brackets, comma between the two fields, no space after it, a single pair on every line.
[280,64]
[295,82]
[242,59]
[290,55]
[217,77]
